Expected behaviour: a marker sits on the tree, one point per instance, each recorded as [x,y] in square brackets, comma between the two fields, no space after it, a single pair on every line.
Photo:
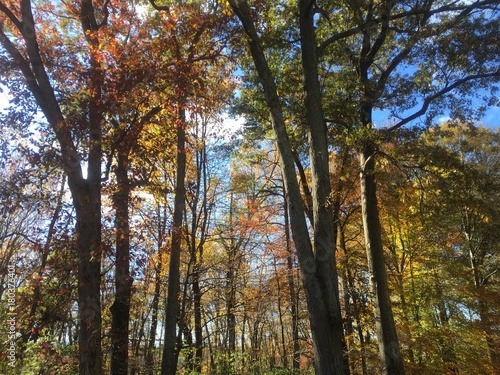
[189,64]
[471,156]
[382,38]
[22,51]
[318,267]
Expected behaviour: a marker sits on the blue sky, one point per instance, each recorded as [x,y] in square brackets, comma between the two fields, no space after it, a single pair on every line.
[491,118]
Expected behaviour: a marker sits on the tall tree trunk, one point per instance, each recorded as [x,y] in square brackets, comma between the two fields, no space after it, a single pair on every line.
[354,307]
[88,243]
[198,328]
[230,341]
[315,269]
[86,192]
[284,355]
[87,199]
[150,347]
[324,225]
[199,223]
[293,295]
[390,353]
[161,214]
[170,352]
[120,309]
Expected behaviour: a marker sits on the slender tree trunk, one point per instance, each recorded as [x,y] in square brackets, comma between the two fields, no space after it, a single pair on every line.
[198,237]
[170,353]
[198,328]
[231,306]
[284,354]
[390,353]
[354,307]
[150,347]
[231,289]
[120,309]
[293,295]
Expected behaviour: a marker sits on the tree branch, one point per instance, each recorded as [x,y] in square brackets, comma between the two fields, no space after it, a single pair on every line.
[440,93]
[11,16]
[20,235]
[421,11]
[159,7]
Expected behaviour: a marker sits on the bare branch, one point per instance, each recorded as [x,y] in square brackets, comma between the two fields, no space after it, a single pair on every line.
[422,11]
[20,235]
[427,102]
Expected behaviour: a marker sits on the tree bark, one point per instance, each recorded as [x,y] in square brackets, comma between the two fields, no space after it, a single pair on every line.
[170,350]
[390,353]
[120,309]
[86,192]
[327,359]
[150,347]
[293,295]
[324,225]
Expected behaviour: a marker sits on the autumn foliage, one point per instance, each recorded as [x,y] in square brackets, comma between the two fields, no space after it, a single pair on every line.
[195,187]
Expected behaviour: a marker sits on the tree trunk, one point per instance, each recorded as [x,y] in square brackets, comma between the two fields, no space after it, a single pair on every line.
[86,193]
[199,223]
[324,225]
[149,358]
[491,336]
[170,352]
[88,243]
[284,355]
[120,309]
[390,353]
[293,295]
[316,269]
[198,328]
[231,273]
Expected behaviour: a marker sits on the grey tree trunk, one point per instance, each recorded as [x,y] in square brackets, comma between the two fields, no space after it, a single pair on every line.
[315,269]
[293,295]
[323,207]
